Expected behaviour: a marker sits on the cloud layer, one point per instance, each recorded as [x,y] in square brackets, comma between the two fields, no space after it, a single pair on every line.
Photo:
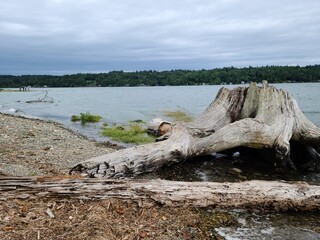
[65,36]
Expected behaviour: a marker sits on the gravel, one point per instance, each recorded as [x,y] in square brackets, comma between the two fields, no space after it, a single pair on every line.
[36,147]
[31,147]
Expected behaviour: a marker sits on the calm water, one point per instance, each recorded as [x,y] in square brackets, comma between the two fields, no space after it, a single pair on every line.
[120,105]
[129,103]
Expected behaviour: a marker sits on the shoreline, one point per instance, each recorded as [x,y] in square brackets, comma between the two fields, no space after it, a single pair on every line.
[107,143]
[31,147]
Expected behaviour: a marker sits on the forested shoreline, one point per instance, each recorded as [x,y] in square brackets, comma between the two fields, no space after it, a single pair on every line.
[227,75]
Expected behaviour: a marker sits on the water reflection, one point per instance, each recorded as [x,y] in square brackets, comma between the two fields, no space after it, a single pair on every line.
[223,168]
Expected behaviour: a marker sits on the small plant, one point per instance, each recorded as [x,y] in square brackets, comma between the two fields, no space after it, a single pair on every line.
[89,118]
[133,133]
[85,118]
[137,129]
[75,118]
[178,116]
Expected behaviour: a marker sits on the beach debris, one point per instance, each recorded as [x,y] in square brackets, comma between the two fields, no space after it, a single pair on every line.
[159,127]
[45,99]
[50,213]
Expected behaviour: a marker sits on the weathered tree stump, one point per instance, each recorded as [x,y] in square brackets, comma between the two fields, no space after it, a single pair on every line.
[252,117]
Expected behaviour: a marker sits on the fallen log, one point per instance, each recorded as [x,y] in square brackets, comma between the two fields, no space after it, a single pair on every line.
[254,117]
[268,195]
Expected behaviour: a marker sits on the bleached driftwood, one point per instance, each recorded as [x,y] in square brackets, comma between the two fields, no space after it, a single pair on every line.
[270,195]
[251,117]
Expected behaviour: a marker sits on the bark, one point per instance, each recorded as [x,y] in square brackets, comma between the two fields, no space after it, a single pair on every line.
[259,117]
[270,195]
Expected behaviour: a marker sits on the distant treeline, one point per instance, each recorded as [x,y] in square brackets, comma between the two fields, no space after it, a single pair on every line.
[227,75]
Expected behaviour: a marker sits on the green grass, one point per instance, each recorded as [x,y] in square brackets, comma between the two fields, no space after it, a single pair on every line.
[178,116]
[75,118]
[86,118]
[133,133]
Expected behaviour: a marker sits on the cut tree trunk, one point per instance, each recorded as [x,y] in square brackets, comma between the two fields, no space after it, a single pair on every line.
[252,117]
[269,195]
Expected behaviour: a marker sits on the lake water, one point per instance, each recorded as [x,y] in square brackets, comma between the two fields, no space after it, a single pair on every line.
[120,105]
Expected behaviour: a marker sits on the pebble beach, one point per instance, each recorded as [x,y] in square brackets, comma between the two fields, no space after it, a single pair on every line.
[32,147]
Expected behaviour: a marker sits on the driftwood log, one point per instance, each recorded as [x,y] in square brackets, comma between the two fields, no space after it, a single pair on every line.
[270,195]
[254,117]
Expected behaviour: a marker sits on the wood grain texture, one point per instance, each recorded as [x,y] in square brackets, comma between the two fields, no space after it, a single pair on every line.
[271,195]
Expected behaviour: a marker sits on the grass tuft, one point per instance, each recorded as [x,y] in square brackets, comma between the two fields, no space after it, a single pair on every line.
[89,118]
[133,133]
[86,118]
[178,116]
[75,118]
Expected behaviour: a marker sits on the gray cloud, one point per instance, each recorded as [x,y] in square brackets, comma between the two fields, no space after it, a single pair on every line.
[65,36]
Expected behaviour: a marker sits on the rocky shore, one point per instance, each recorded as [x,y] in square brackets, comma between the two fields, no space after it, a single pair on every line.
[31,147]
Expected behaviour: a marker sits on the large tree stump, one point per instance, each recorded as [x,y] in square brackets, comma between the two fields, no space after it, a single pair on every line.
[253,117]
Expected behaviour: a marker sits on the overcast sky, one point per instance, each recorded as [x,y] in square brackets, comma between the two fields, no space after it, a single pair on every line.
[70,36]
